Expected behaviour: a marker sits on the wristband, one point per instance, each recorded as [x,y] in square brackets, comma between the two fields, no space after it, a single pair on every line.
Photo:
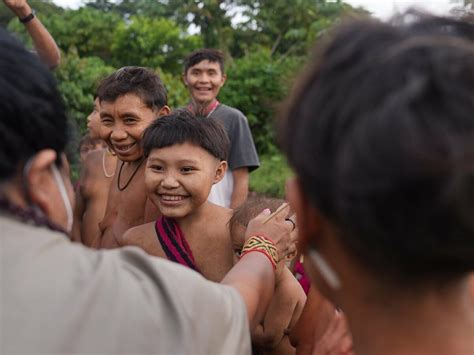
[28,18]
[263,245]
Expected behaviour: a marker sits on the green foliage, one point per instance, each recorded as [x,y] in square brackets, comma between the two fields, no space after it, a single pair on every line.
[256,84]
[177,93]
[77,78]
[270,178]
[154,43]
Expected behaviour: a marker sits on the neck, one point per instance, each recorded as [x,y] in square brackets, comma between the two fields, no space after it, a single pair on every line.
[203,108]
[434,321]
[194,217]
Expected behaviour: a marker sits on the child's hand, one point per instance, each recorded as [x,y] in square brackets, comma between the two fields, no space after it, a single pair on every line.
[336,340]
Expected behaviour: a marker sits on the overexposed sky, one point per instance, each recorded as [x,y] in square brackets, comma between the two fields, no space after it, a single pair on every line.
[379,8]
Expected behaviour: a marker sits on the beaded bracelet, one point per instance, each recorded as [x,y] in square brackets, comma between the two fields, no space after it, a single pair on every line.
[261,244]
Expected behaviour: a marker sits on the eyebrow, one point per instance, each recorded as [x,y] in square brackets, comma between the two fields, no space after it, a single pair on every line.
[184,161]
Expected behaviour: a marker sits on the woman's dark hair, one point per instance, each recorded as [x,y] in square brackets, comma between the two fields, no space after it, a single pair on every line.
[181,126]
[380,131]
[140,81]
[32,115]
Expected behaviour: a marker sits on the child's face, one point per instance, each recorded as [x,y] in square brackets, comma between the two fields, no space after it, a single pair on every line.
[179,178]
[123,122]
[204,80]
[93,121]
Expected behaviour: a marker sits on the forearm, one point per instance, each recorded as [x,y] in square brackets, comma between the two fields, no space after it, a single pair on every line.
[240,189]
[44,43]
[254,278]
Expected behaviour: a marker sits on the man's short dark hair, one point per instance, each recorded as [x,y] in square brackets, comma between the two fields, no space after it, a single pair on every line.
[181,126]
[210,54]
[140,81]
[32,115]
[380,131]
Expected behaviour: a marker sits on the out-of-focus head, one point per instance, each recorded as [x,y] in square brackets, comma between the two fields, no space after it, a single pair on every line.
[380,132]
[33,135]
[89,144]
[244,213]
[93,120]
[31,110]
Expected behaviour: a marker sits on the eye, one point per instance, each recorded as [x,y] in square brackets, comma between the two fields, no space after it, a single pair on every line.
[187,169]
[155,168]
[237,252]
[106,121]
[129,120]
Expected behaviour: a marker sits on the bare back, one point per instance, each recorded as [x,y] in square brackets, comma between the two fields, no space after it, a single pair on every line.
[208,237]
[128,206]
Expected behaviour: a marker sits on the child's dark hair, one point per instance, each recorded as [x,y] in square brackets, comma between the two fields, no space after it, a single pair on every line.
[380,131]
[210,54]
[87,140]
[252,207]
[181,126]
[143,82]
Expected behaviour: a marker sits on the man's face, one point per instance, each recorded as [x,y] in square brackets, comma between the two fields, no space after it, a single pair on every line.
[204,80]
[93,121]
[123,122]
[179,178]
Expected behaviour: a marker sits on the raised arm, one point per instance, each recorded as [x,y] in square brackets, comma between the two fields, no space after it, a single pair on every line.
[44,43]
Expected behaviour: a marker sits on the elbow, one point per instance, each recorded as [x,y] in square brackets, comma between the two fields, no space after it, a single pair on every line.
[269,341]
[54,60]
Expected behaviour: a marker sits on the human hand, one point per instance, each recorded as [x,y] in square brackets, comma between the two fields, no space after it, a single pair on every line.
[279,231]
[19,7]
[336,340]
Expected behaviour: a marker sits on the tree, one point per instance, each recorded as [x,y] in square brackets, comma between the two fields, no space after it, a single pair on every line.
[156,43]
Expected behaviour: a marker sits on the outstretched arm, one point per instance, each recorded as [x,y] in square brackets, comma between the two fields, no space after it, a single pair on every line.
[44,43]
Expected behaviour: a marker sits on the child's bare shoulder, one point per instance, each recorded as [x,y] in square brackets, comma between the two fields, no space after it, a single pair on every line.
[139,235]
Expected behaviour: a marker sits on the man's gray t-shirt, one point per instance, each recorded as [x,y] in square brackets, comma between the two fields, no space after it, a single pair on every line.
[242,151]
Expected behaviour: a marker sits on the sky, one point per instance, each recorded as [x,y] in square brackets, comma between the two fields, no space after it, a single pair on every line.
[379,8]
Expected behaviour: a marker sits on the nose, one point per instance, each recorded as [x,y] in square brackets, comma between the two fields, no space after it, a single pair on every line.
[118,134]
[169,181]
[203,78]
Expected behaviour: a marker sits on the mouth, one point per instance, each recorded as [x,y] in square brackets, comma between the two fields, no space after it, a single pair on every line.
[171,200]
[123,148]
[203,89]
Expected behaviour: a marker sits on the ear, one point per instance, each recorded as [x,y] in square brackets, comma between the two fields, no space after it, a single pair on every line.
[40,180]
[220,171]
[307,216]
[224,78]
[185,81]
[165,110]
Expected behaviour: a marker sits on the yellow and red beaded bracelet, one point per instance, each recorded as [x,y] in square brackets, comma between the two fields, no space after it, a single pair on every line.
[264,245]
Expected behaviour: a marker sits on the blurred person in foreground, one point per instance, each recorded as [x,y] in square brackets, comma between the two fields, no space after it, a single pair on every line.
[380,133]
[60,297]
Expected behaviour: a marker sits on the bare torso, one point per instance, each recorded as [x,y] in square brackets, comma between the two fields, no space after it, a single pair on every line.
[96,176]
[208,238]
[128,207]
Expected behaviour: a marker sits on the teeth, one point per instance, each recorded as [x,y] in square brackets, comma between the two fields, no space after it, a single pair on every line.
[171,198]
